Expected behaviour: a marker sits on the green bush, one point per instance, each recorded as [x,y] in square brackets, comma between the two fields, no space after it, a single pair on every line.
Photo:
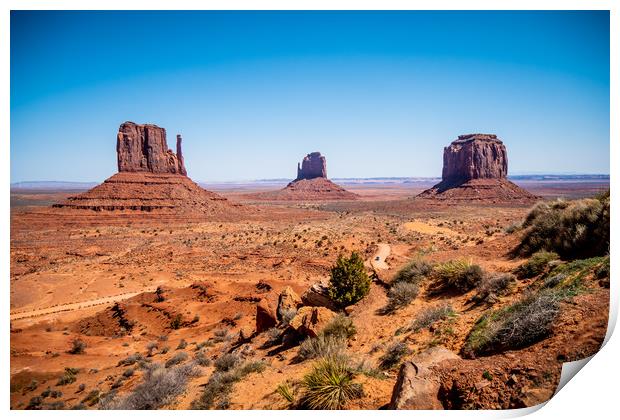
[329,385]
[460,275]
[516,326]
[573,229]
[349,282]
[413,272]
[537,264]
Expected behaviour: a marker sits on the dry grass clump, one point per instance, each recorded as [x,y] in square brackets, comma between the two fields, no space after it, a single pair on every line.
[77,346]
[321,346]
[393,355]
[131,360]
[493,286]
[340,326]
[159,387]
[226,362]
[429,316]
[176,359]
[458,275]
[537,264]
[573,229]
[68,377]
[217,390]
[415,271]
[329,385]
[516,326]
[400,295]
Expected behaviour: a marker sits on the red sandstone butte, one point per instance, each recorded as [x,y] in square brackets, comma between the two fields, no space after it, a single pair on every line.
[150,178]
[311,184]
[475,167]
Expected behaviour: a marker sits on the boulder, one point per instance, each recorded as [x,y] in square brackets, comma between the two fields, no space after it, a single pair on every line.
[288,301]
[417,387]
[266,316]
[310,321]
[317,295]
[143,148]
[312,166]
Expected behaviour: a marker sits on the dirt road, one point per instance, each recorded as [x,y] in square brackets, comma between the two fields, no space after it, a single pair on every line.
[75,306]
[378,260]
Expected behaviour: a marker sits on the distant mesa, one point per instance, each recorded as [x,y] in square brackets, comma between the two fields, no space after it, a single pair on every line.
[150,177]
[475,167]
[311,184]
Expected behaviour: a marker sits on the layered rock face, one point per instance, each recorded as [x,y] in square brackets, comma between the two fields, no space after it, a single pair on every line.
[150,178]
[475,167]
[143,148]
[474,156]
[311,184]
[312,166]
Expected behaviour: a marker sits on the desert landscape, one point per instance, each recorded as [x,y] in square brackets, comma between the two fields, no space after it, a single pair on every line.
[148,291]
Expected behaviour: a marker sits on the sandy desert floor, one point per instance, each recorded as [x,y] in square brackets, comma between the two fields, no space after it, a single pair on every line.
[69,272]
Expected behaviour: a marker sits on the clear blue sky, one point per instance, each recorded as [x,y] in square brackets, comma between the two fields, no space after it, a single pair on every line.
[378,93]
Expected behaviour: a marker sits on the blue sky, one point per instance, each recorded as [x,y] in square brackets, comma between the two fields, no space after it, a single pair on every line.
[378,93]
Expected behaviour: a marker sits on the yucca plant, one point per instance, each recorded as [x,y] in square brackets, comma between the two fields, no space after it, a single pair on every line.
[329,385]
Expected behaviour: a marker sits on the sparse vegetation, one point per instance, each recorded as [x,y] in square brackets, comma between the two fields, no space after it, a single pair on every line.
[131,359]
[159,387]
[341,326]
[537,264]
[415,271]
[458,275]
[329,385]
[492,286]
[226,362]
[429,316]
[176,359]
[400,295]
[572,229]
[393,355]
[516,326]
[68,377]
[349,282]
[321,346]
[77,346]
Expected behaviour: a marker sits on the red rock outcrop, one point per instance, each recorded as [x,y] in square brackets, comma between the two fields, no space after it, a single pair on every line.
[475,167]
[312,166]
[151,178]
[143,148]
[311,184]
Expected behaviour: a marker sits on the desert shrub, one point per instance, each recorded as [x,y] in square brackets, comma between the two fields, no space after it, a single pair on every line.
[341,326]
[459,274]
[492,286]
[81,388]
[321,346]
[349,282]
[55,393]
[176,322]
[226,362]
[220,384]
[92,398]
[77,346]
[68,377]
[165,349]
[34,384]
[400,295]
[573,229]
[536,265]
[603,270]
[159,294]
[55,405]
[393,354]
[202,359]
[413,272]
[131,360]
[159,387]
[329,385]
[182,344]
[34,403]
[221,335]
[46,392]
[176,359]
[429,316]
[516,326]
